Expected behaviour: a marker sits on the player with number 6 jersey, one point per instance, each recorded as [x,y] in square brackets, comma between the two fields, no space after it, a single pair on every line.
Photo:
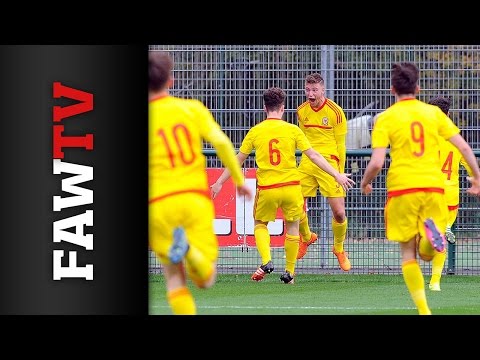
[278,180]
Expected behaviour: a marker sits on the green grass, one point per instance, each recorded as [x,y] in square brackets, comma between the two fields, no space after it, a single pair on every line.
[322,295]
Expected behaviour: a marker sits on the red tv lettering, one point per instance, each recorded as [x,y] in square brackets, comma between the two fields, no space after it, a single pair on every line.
[85,101]
[59,113]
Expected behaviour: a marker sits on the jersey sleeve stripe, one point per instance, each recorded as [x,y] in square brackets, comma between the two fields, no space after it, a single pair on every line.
[335,109]
[302,105]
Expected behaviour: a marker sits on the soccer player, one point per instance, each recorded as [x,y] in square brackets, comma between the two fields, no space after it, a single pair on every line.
[450,160]
[324,123]
[416,208]
[181,210]
[278,180]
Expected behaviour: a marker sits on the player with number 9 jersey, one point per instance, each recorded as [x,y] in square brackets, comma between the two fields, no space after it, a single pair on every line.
[416,210]
[416,164]
[413,130]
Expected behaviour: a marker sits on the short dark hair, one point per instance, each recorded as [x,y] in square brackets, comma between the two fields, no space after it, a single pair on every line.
[160,65]
[274,98]
[314,78]
[405,77]
[442,102]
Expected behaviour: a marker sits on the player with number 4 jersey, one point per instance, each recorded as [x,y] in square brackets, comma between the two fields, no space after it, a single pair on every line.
[450,159]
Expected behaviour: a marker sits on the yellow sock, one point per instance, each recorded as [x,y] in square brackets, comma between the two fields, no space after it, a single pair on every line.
[438,262]
[339,234]
[199,267]
[181,301]
[452,216]
[304,227]
[291,250]
[262,240]
[413,277]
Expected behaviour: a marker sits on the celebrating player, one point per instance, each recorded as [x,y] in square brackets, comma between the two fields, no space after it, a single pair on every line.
[325,126]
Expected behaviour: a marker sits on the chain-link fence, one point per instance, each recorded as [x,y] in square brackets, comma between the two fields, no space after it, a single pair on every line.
[230,80]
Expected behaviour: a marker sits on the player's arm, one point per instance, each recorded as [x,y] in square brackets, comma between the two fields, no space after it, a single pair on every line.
[217,185]
[465,165]
[340,133]
[373,168]
[471,160]
[319,160]
[226,153]
[342,150]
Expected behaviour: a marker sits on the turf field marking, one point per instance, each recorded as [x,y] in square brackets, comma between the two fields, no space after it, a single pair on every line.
[292,307]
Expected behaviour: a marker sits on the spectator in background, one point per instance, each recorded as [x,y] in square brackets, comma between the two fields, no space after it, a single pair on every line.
[450,160]
[416,210]
[181,211]
[278,180]
[325,126]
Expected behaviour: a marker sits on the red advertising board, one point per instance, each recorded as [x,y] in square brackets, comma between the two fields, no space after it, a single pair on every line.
[234,222]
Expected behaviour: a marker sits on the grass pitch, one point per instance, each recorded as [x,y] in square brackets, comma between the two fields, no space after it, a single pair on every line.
[322,295]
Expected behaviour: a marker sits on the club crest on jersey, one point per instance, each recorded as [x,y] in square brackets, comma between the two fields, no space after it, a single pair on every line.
[325,121]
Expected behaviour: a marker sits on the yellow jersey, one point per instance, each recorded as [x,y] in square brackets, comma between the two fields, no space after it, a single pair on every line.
[322,125]
[177,128]
[450,159]
[275,142]
[413,130]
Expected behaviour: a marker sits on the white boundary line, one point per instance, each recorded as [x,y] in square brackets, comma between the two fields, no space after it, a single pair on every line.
[292,307]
